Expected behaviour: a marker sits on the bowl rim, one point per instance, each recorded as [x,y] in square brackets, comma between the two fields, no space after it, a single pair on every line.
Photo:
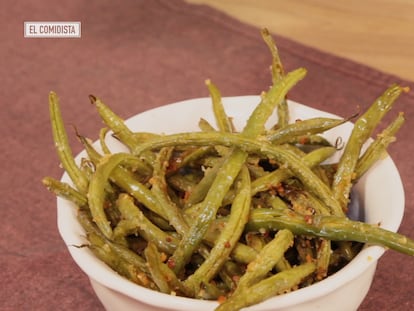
[104,275]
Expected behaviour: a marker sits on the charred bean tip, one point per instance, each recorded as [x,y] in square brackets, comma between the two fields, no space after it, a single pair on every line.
[92,98]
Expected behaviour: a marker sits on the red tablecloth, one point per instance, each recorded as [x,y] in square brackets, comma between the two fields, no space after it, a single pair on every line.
[136,55]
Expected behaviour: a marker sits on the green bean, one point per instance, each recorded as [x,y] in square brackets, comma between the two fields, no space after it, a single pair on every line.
[124,253]
[201,189]
[323,258]
[171,212]
[311,141]
[159,190]
[266,259]
[231,167]
[141,137]
[283,264]
[292,162]
[277,67]
[255,240]
[130,258]
[96,192]
[241,252]
[65,191]
[87,167]
[335,228]
[212,202]
[346,250]
[114,122]
[274,285]
[134,164]
[104,253]
[134,221]
[62,145]
[274,178]
[228,237]
[126,180]
[121,259]
[159,221]
[102,135]
[361,131]
[378,147]
[205,126]
[256,122]
[154,261]
[222,120]
[303,127]
[193,156]
[277,75]
[276,202]
[304,202]
[255,169]
[233,272]
[183,183]
[210,291]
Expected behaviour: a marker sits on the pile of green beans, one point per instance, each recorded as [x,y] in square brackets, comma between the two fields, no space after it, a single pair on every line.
[237,216]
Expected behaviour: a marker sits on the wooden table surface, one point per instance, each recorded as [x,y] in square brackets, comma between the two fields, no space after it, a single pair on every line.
[378,33]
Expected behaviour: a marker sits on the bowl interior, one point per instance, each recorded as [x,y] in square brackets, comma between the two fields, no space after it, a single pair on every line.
[380,193]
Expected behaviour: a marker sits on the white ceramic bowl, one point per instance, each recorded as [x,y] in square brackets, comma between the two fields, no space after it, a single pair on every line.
[380,191]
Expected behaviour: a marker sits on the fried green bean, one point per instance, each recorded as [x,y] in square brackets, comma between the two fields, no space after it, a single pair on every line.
[62,145]
[278,153]
[323,258]
[278,73]
[100,248]
[199,192]
[65,191]
[134,164]
[266,259]
[114,122]
[277,67]
[256,122]
[323,246]
[222,120]
[155,266]
[330,227]
[276,284]
[159,190]
[126,180]
[304,202]
[362,130]
[120,258]
[228,237]
[303,127]
[211,203]
[193,156]
[377,149]
[272,179]
[102,135]
[134,221]
[96,192]
[231,167]
[311,141]
[205,126]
